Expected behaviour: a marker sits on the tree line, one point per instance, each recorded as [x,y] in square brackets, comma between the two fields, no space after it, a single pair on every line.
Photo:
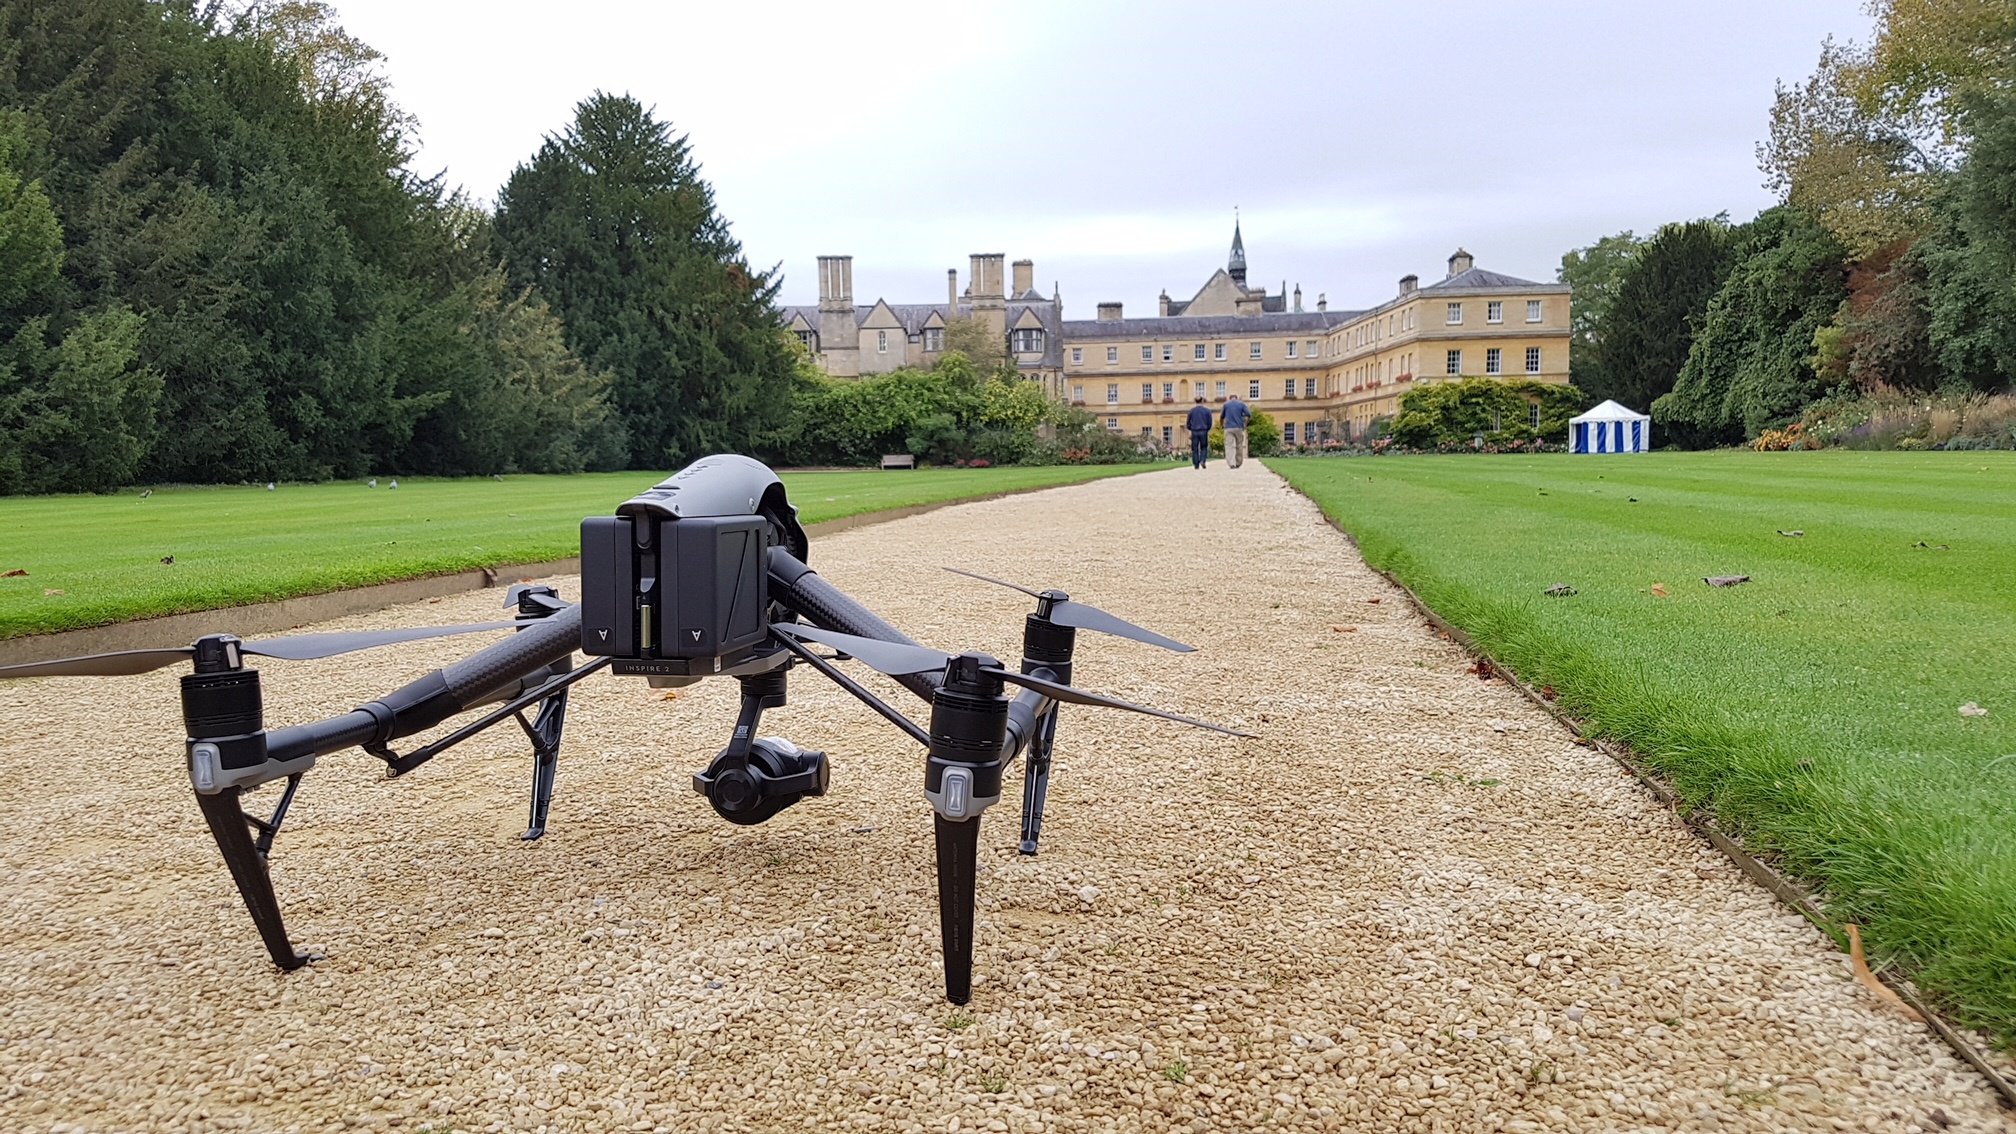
[217,265]
[1887,268]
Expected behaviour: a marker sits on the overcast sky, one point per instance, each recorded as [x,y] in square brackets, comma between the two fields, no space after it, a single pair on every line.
[1110,143]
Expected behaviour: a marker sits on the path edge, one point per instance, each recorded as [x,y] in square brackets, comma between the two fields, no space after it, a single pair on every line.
[1790,893]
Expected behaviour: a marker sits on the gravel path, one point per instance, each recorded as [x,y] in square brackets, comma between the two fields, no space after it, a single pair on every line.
[1414,905]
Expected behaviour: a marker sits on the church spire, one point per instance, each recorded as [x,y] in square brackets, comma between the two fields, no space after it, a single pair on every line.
[1236,266]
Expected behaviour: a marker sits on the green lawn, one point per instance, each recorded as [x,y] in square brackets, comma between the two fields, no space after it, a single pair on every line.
[1816,708]
[239,545]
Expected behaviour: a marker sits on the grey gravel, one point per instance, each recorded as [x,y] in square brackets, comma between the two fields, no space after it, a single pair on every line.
[1414,905]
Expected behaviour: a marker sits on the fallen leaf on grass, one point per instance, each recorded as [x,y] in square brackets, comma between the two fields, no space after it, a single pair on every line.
[1931,546]
[1559,590]
[15,573]
[1547,693]
[1659,590]
[167,561]
[1726,580]
[1861,966]
[52,591]
[1970,709]
[1793,534]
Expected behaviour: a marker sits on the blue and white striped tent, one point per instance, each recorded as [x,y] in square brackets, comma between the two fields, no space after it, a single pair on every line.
[1610,428]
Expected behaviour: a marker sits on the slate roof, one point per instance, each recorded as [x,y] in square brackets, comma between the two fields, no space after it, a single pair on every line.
[1478,277]
[913,316]
[1193,326]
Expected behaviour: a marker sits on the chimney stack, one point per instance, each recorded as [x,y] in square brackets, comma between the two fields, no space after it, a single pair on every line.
[1025,277]
[1322,304]
[1109,312]
[1459,262]
[985,281]
[836,283]
[1164,312]
[952,290]
[1409,282]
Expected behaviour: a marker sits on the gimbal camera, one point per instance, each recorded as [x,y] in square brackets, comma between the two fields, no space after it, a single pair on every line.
[702,576]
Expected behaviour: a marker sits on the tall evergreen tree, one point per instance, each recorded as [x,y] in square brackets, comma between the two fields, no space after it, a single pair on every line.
[1643,338]
[611,222]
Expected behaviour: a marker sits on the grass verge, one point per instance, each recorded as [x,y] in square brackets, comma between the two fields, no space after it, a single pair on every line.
[1816,709]
[93,560]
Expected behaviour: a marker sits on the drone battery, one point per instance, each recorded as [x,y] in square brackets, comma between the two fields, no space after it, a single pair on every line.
[713,590]
[609,595]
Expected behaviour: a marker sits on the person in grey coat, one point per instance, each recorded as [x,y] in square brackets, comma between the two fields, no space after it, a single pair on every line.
[1235,417]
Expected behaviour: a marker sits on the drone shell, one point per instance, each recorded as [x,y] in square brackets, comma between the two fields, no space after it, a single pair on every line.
[725,484]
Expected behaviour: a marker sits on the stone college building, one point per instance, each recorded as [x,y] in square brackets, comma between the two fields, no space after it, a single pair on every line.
[1320,374]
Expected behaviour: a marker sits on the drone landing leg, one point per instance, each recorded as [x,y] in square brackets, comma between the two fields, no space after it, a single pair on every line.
[544,732]
[958,852]
[232,828]
[1036,783]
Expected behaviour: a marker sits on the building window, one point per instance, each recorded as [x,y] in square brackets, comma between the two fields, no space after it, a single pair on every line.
[1221,391]
[1253,389]
[1078,394]
[1148,432]
[1494,311]
[1168,352]
[881,342]
[1455,363]
[810,339]
[1168,434]
[1253,350]
[1147,354]
[1532,360]
[1029,341]
[1168,391]
[1532,311]
[1197,353]
[1491,361]
[1112,354]
[1218,352]
[1308,387]
[1147,391]
[1535,408]
[1113,423]
[1292,344]
[1112,393]
[1077,354]
[1288,388]
[1287,433]
[1455,314]
[1309,349]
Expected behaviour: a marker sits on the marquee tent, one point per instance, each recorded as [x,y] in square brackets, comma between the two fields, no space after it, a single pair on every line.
[1610,428]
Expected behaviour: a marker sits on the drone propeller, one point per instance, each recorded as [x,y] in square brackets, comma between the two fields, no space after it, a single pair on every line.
[1081,616]
[897,659]
[298,647]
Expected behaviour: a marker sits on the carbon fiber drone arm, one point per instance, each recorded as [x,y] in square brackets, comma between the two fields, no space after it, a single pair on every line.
[821,603]
[494,673]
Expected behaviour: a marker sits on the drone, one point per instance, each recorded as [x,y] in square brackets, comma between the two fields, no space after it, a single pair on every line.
[701,576]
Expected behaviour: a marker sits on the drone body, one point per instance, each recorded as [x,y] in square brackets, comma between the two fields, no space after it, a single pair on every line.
[702,576]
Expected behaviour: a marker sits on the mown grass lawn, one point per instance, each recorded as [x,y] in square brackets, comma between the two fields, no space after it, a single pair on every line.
[1816,708]
[234,545]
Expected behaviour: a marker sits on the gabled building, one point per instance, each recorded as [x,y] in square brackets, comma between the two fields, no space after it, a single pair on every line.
[852,340]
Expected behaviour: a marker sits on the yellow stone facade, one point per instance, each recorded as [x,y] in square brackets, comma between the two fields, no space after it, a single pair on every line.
[1322,375]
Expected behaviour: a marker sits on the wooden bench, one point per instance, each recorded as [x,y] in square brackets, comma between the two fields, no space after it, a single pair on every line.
[898,461]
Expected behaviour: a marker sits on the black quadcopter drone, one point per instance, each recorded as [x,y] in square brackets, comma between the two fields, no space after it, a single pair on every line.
[703,575]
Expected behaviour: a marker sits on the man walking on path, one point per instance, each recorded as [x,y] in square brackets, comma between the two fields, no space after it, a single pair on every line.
[1199,424]
[1234,418]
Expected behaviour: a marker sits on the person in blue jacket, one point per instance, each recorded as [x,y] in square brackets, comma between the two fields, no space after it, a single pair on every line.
[1199,424]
